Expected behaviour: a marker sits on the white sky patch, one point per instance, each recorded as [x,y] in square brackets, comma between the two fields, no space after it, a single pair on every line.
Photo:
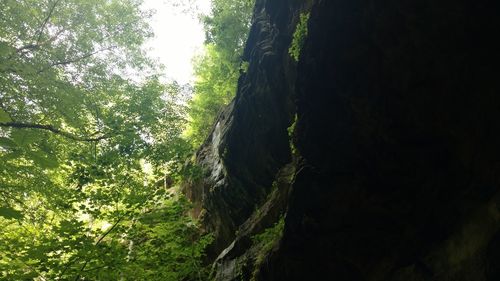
[178,37]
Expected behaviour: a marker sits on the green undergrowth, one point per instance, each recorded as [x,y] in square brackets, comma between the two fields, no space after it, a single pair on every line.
[169,244]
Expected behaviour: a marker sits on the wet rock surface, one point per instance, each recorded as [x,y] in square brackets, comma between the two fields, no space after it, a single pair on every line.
[249,143]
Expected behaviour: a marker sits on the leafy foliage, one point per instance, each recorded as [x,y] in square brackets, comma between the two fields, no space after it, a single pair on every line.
[291,136]
[82,146]
[92,143]
[299,37]
[218,69]
[269,236]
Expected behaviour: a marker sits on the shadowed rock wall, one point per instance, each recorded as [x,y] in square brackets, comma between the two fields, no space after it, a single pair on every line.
[249,142]
[398,132]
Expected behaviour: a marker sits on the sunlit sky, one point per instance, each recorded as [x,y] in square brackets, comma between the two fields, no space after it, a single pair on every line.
[178,37]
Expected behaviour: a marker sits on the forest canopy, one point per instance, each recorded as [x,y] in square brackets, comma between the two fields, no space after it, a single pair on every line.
[89,157]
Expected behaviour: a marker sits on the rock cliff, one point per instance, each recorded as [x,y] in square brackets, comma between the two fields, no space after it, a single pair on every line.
[391,170]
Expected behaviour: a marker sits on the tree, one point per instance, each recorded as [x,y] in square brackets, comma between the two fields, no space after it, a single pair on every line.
[59,86]
[82,145]
[87,129]
[218,69]
[58,58]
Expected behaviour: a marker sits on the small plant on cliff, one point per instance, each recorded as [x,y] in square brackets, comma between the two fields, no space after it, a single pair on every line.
[291,132]
[299,37]
[265,242]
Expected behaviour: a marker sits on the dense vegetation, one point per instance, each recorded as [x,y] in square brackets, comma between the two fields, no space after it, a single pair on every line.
[89,157]
[218,69]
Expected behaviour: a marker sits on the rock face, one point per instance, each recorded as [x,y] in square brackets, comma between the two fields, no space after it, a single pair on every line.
[249,143]
[397,175]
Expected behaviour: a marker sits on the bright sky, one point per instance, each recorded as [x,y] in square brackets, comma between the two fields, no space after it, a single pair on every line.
[178,37]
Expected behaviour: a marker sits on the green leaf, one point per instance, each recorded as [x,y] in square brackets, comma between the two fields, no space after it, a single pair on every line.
[24,137]
[4,117]
[5,49]
[299,37]
[10,213]
[12,155]
[7,143]
[43,160]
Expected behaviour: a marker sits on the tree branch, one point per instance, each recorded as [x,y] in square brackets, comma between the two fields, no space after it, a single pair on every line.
[45,21]
[77,59]
[82,269]
[75,258]
[38,44]
[18,125]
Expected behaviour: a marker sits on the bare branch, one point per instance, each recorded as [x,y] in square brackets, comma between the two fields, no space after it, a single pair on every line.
[96,268]
[54,130]
[82,269]
[36,46]
[46,20]
[27,47]
[77,59]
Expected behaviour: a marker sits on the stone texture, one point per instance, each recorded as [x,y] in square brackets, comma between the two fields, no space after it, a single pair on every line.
[398,124]
[249,142]
[398,131]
